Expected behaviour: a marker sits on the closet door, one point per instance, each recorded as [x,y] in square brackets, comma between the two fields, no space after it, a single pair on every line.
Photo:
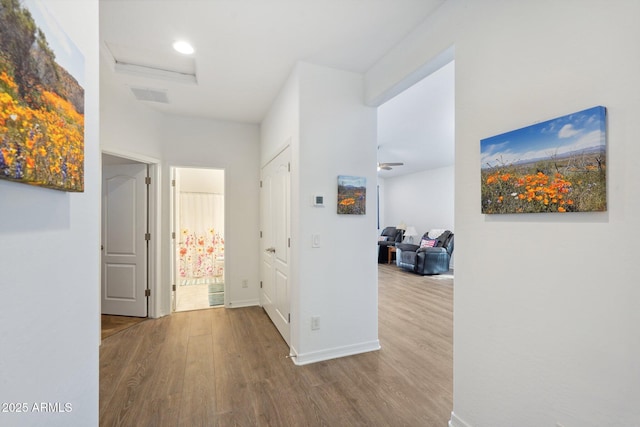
[275,242]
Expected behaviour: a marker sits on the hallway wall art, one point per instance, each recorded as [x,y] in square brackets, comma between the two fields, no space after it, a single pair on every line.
[352,195]
[41,100]
[555,166]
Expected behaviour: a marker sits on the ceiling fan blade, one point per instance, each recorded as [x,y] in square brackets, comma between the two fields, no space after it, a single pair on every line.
[385,167]
[392,164]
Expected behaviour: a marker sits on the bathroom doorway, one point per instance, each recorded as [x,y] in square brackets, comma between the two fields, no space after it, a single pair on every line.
[198,238]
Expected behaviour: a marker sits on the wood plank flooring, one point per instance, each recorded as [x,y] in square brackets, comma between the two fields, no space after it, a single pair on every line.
[114,324]
[227,367]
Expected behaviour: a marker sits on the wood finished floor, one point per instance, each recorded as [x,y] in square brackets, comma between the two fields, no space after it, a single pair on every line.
[227,367]
[113,324]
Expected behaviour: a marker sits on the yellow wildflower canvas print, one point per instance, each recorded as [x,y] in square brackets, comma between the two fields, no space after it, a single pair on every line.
[352,195]
[555,166]
[41,99]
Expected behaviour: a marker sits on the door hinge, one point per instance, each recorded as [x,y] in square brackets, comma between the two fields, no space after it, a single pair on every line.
[261,234]
[173,182]
[173,234]
[289,318]
[289,241]
[147,180]
[147,236]
[147,292]
[260,184]
[173,287]
[260,284]
[289,167]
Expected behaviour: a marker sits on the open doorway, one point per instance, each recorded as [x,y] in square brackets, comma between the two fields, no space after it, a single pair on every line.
[199,245]
[128,243]
[416,150]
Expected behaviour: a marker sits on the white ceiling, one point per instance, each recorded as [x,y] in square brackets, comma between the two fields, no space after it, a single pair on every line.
[245,50]
[417,126]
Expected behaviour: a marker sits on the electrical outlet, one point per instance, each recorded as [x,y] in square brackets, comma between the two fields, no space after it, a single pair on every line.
[315,323]
[245,283]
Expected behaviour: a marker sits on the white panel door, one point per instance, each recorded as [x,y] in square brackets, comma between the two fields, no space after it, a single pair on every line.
[275,250]
[124,248]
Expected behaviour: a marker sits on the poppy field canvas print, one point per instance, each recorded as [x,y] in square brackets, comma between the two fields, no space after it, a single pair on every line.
[41,99]
[555,166]
[352,195]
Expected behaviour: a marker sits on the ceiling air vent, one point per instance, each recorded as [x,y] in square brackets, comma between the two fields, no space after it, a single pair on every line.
[152,95]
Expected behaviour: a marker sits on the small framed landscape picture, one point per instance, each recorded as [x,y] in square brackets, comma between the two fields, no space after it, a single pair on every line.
[352,195]
[554,166]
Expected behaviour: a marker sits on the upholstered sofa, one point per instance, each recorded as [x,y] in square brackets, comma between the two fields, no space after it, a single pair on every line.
[431,256]
[389,237]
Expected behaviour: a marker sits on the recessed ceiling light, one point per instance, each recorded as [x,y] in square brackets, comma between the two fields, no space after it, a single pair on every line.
[183,47]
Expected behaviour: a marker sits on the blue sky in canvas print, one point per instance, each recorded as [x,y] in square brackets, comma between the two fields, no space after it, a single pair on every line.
[555,166]
[577,132]
[67,54]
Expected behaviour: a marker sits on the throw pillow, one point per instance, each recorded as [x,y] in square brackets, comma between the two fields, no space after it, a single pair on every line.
[428,243]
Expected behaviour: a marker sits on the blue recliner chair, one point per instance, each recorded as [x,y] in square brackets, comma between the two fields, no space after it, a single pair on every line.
[426,260]
[390,236]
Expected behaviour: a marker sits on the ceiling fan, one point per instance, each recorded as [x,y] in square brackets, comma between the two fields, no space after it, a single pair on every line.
[387,166]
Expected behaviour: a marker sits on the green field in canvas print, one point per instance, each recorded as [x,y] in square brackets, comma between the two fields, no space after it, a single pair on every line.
[555,166]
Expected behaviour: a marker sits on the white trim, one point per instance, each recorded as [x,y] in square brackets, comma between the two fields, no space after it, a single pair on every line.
[243,303]
[155,254]
[173,261]
[334,353]
[431,66]
[155,261]
[279,151]
[154,73]
[456,421]
[132,156]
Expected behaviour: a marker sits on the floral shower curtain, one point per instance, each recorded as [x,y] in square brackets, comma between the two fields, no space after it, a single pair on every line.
[201,235]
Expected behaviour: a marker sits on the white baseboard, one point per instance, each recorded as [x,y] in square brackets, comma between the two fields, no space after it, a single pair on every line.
[334,353]
[243,303]
[455,421]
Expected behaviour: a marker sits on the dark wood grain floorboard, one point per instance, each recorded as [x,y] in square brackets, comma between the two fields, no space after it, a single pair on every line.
[111,325]
[228,367]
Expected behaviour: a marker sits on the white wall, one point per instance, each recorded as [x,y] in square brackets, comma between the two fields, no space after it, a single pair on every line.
[281,125]
[423,199]
[280,128]
[234,147]
[131,128]
[201,180]
[49,263]
[337,281]
[545,321]
[320,113]
[127,126]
